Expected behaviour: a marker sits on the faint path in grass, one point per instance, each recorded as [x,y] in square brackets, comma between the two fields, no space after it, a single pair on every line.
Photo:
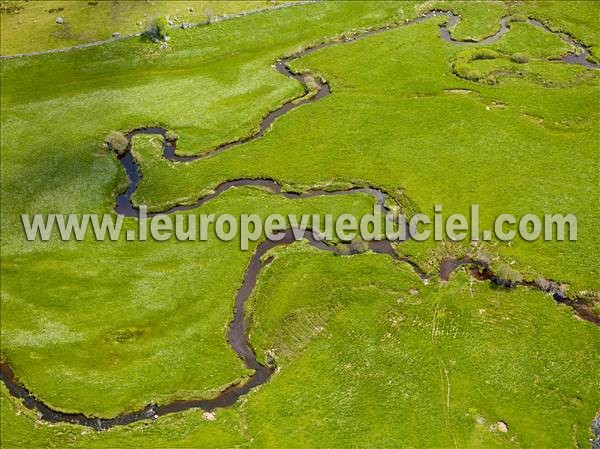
[238,328]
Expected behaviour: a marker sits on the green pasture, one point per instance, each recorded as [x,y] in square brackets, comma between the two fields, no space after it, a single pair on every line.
[367,355]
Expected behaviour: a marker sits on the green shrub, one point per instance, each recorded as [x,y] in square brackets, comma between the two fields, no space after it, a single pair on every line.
[354,247]
[465,70]
[474,75]
[485,256]
[484,53]
[171,136]
[508,276]
[518,18]
[159,29]
[117,142]
[342,249]
[461,69]
[491,79]
[520,58]
[358,246]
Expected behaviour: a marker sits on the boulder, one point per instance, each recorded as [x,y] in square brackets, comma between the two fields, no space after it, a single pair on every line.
[502,426]
[209,416]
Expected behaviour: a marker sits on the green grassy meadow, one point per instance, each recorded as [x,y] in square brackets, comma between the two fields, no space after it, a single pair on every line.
[29,26]
[367,355]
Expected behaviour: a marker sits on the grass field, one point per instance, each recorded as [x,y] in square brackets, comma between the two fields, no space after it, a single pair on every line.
[32,26]
[367,355]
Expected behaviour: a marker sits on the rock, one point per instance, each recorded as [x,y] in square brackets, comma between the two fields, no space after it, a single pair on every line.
[60,20]
[596,431]
[480,419]
[543,284]
[209,416]
[116,34]
[185,25]
[502,426]
[413,291]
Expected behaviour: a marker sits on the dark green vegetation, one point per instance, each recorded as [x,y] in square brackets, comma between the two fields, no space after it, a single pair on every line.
[368,356]
[159,29]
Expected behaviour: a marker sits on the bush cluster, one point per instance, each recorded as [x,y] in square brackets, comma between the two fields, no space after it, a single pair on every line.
[507,276]
[171,136]
[520,58]
[159,29]
[355,247]
[483,53]
[117,142]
